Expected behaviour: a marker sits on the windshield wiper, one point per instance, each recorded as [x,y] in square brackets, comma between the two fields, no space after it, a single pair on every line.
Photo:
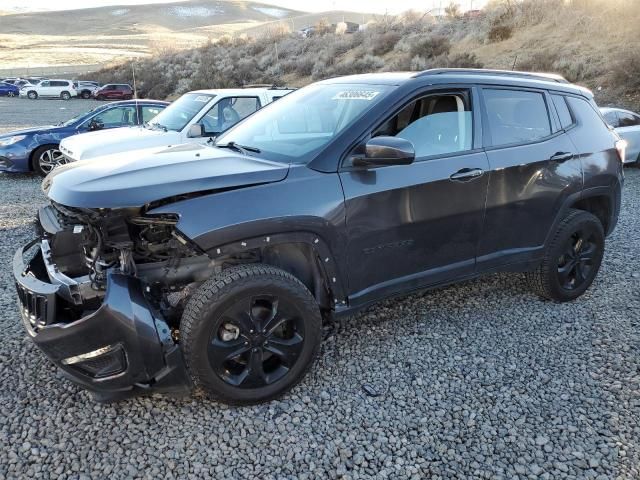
[243,149]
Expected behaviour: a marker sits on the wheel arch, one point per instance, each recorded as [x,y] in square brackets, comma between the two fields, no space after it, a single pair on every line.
[304,255]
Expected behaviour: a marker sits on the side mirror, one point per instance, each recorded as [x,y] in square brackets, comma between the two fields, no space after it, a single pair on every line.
[195,131]
[383,151]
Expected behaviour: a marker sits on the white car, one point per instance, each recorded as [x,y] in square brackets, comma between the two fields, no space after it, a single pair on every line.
[198,115]
[56,88]
[627,125]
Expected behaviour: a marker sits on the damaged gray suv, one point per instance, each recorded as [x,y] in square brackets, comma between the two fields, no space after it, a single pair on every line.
[215,266]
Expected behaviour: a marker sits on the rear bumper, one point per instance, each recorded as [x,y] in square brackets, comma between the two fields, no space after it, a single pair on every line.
[122,346]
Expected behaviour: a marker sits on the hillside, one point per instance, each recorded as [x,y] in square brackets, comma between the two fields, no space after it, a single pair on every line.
[591,42]
[102,35]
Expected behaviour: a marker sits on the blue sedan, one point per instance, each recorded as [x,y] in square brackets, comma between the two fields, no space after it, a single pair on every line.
[9,90]
[37,149]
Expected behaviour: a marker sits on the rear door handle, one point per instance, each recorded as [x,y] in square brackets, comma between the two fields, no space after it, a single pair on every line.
[467,174]
[561,157]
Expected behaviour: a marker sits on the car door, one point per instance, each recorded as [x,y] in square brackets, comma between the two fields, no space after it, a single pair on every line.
[629,129]
[410,226]
[534,168]
[44,88]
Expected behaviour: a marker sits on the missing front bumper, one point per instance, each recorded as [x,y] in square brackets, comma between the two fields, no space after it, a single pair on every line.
[120,346]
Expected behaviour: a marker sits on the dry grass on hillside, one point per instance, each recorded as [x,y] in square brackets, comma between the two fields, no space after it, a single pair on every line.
[592,42]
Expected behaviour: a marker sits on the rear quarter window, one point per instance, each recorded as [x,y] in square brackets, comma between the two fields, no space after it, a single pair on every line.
[566,120]
[592,134]
[516,116]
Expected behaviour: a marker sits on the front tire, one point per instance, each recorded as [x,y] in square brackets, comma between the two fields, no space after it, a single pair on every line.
[11,94]
[250,333]
[86,94]
[32,95]
[46,158]
[571,260]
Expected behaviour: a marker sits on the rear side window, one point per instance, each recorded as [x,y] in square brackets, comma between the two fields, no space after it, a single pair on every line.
[148,112]
[611,118]
[566,120]
[628,119]
[516,116]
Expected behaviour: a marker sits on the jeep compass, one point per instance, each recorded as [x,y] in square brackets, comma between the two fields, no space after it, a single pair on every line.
[214,267]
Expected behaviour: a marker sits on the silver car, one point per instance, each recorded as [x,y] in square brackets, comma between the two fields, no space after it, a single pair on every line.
[627,125]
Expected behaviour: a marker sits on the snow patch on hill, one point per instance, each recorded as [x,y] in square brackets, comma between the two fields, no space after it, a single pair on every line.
[186,12]
[272,12]
[120,11]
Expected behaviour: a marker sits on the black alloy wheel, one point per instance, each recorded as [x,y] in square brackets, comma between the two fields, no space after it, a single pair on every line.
[576,263]
[571,258]
[250,333]
[259,340]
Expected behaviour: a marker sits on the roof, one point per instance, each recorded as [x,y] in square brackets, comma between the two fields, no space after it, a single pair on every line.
[458,75]
[239,91]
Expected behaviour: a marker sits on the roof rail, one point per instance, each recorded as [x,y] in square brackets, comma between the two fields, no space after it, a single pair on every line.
[552,77]
[270,86]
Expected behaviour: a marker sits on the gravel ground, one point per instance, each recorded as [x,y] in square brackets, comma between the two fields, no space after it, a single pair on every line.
[479,380]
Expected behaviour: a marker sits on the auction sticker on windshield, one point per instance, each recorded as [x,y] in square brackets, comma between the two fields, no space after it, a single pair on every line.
[356,95]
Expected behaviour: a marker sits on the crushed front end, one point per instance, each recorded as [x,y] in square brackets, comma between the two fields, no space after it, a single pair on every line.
[102,292]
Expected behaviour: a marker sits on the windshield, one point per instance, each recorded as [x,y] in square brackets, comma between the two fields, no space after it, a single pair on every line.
[299,125]
[179,113]
[78,117]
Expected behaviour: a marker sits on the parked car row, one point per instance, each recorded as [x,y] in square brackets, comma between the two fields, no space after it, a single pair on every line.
[195,117]
[164,263]
[34,88]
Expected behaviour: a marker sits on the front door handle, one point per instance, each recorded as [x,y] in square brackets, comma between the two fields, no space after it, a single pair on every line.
[467,174]
[561,157]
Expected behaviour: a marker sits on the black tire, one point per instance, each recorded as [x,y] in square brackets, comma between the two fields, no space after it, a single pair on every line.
[11,94]
[46,158]
[65,96]
[224,368]
[33,95]
[571,260]
[100,97]
[86,94]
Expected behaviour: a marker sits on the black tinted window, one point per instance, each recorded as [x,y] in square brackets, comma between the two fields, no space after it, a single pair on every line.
[56,83]
[563,111]
[516,116]
[628,119]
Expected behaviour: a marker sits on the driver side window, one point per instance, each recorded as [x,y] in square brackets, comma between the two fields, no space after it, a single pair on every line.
[115,117]
[435,124]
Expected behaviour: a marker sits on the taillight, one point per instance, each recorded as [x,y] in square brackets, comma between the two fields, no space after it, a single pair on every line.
[621,147]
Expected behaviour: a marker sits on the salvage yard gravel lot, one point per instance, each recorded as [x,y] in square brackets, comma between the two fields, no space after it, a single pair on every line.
[478,380]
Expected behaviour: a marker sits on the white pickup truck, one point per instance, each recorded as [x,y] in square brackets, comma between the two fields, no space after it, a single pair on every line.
[197,115]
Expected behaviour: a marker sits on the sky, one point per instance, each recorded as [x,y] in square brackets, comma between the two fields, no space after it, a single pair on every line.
[369,6]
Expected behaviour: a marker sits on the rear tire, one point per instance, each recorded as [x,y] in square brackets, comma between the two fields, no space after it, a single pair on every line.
[571,260]
[65,96]
[11,94]
[32,95]
[100,97]
[86,94]
[250,333]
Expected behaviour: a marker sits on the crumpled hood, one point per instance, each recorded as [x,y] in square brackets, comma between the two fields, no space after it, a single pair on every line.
[105,142]
[136,178]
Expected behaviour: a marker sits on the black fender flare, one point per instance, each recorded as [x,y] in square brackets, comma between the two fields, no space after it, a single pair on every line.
[327,262]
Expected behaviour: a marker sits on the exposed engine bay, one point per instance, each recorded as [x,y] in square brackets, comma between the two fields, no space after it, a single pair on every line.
[79,246]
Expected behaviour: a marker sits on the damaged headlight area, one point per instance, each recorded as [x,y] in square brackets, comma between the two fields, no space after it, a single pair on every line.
[81,246]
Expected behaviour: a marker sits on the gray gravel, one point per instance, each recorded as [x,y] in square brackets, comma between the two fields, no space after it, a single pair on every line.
[479,380]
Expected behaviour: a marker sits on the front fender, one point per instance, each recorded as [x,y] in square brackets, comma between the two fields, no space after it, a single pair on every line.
[307,207]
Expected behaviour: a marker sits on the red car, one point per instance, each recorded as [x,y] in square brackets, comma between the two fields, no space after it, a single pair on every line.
[114,91]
